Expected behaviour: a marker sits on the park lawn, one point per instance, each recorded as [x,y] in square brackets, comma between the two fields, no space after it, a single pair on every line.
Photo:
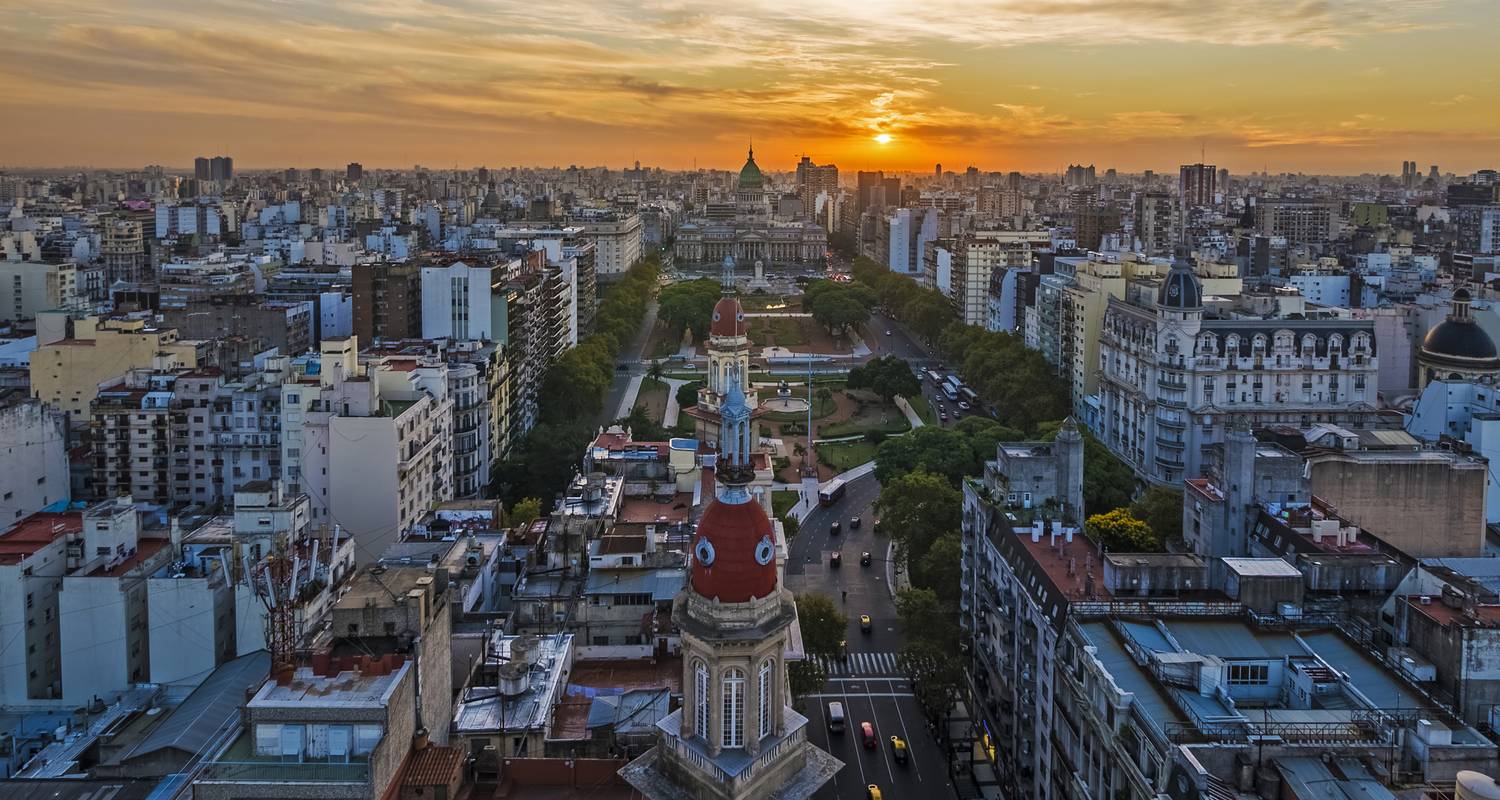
[844,456]
[786,331]
[653,396]
[923,407]
[872,414]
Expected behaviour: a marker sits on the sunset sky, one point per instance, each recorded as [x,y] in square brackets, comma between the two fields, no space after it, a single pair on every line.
[1294,85]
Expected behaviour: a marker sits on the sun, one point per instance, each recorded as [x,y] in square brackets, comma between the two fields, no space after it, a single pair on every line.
[883,138]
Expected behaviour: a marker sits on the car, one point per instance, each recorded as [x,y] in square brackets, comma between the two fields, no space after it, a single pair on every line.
[835,717]
[864,623]
[943,415]
[690,365]
[888,333]
[899,750]
[835,560]
[854,523]
[834,528]
[872,792]
[963,406]
[864,559]
[867,735]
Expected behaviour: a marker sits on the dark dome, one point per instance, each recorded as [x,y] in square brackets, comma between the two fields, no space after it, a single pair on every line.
[1459,339]
[1180,289]
[750,177]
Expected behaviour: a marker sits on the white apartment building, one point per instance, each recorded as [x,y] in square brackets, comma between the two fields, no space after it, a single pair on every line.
[463,302]
[34,446]
[976,255]
[617,243]
[28,287]
[1171,379]
[374,450]
[911,230]
[69,584]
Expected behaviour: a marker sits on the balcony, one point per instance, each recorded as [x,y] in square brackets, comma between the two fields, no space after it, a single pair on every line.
[1175,443]
[1163,382]
[1169,462]
[240,764]
[1172,422]
[1172,402]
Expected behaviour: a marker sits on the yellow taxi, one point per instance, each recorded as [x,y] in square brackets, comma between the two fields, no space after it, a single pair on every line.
[872,792]
[864,623]
[899,750]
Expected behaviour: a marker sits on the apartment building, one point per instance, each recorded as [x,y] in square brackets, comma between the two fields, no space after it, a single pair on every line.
[34,445]
[30,287]
[617,243]
[67,370]
[973,257]
[1158,223]
[387,301]
[1171,378]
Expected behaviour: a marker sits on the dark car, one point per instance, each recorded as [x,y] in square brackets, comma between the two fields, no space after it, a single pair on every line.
[833,529]
[864,559]
[854,524]
[835,560]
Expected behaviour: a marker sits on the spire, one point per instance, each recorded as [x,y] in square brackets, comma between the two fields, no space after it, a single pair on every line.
[727,277]
[735,471]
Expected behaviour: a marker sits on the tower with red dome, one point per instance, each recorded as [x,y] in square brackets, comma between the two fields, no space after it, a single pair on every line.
[736,736]
[728,348]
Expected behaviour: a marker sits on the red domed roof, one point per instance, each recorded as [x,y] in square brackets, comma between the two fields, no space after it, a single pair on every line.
[734,553]
[728,319]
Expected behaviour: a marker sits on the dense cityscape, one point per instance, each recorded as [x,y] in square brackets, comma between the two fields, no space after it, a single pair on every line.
[1141,451]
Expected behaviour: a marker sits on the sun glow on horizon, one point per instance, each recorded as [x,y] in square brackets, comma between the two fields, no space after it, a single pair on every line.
[883,138]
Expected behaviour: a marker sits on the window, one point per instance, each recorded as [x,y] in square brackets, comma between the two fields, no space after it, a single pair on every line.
[1249,674]
[733,718]
[764,689]
[700,698]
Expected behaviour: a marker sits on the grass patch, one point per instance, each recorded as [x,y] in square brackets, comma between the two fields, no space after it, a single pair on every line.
[782,502]
[834,430]
[781,331]
[844,456]
[653,395]
[923,407]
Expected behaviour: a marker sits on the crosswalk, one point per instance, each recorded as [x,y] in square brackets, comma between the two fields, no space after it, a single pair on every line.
[860,664]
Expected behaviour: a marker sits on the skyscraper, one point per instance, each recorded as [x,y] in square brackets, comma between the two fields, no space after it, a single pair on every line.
[354,172]
[201,168]
[813,180]
[1197,185]
[221,169]
[937,170]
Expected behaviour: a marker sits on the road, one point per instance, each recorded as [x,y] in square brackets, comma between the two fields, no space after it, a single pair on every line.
[867,682]
[632,354]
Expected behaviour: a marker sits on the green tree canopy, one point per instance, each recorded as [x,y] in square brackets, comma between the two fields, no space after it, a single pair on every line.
[886,376]
[687,394]
[942,568]
[524,512]
[823,625]
[1160,508]
[689,305]
[916,509]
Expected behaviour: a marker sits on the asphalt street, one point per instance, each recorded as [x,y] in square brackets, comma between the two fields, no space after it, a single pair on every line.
[632,355]
[867,681]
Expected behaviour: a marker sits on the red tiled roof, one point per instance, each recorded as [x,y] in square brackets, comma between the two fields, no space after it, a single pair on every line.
[35,532]
[433,766]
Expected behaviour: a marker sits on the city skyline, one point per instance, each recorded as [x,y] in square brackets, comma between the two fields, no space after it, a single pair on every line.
[1321,88]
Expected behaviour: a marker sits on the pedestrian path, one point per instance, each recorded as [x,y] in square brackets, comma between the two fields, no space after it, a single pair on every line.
[874,664]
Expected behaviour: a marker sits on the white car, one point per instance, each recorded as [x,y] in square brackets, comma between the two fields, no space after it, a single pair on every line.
[887,333]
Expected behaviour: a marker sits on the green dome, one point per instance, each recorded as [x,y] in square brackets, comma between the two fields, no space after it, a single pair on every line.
[750,174]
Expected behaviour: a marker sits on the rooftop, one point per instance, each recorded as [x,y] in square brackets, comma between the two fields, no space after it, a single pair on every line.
[533,689]
[368,683]
[36,531]
[646,509]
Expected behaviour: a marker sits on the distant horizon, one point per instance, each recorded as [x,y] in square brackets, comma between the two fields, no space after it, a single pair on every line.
[1336,87]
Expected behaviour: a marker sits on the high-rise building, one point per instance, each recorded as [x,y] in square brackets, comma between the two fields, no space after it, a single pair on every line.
[354,172]
[1156,222]
[387,301]
[221,169]
[1197,185]
[202,169]
[937,170]
[815,179]
[867,185]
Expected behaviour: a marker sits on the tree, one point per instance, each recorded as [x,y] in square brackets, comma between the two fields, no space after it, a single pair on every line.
[805,677]
[836,306]
[916,509]
[689,305]
[1160,508]
[823,625]
[886,376]
[926,620]
[1108,482]
[937,678]
[687,394]
[654,372]
[574,387]
[942,568]
[642,427]
[1116,531]
[940,451]
[525,511]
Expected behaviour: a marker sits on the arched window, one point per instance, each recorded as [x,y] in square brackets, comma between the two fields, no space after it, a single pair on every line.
[733,719]
[1335,345]
[1309,346]
[1232,346]
[766,710]
[700,698]
[1361,342]
[1258,344]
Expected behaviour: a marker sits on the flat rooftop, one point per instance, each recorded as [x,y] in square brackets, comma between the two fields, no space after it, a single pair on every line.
[344,689]
[34,532]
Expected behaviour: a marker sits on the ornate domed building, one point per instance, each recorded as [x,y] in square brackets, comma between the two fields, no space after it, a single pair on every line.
[751,191]
[735,737]
[1457,349]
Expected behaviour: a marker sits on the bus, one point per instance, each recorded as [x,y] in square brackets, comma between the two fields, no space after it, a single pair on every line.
[950,389]
[933,376]
[831,493]
[969,396]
